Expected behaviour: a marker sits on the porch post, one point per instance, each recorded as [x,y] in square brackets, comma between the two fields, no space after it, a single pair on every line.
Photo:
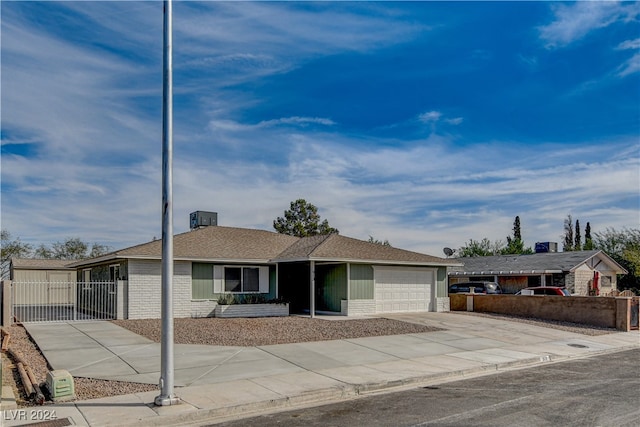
[312,281]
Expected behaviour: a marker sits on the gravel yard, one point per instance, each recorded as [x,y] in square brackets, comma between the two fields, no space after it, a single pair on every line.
[270,330]
[232,332]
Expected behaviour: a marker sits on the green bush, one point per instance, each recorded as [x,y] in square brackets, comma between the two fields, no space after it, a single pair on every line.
[254,299]
[227,299]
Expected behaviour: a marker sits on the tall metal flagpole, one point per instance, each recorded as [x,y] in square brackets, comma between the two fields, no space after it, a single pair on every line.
[166,396]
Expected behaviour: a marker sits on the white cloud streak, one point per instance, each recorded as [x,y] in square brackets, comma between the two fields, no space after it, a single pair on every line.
[574,21]
[96,171]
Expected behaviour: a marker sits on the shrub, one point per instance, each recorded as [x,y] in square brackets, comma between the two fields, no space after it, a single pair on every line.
[227,299]
[254,299]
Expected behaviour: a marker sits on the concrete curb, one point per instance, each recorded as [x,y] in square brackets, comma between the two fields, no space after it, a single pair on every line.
[8,399]
[349,391]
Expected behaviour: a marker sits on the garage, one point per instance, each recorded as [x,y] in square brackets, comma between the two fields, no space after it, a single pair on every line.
[400,289]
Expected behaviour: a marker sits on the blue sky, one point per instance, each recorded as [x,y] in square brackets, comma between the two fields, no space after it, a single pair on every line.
[424,123]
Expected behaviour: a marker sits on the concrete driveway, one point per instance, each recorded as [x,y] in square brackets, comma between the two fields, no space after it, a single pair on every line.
[215,382]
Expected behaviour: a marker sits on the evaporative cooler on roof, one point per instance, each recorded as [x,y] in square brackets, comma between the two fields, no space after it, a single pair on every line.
[199,219]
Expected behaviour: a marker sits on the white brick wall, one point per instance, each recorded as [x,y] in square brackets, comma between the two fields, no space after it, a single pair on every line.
[145,289]
[252,310]
[443,304]
[358,307]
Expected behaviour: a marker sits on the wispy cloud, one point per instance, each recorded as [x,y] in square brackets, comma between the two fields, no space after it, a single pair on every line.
[455,121]
[573,22]
[430,116]
[631,65]
[82,85]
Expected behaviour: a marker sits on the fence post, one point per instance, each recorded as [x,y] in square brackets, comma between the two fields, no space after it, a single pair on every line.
[469,302]
[121,296]
[5,300]
[623,314]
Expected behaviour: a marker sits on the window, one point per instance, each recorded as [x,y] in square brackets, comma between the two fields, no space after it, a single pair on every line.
[241,279]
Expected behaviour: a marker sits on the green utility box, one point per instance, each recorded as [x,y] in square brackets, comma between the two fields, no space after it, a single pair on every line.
[60,385]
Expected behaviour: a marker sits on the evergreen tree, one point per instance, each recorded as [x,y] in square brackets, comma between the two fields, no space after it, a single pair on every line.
[515,245]
[578,243]
[517,235]
[302,220]
[588,241]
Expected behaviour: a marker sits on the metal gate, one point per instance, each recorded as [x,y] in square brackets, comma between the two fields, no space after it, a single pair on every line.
[63,301]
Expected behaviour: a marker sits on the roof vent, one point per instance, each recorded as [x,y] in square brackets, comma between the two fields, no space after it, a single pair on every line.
[542,247]
[199,219]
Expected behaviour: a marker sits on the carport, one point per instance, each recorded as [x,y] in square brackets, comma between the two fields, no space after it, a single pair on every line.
[339,275]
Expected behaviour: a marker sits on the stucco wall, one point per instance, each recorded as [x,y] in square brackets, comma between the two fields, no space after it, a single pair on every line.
[597,311]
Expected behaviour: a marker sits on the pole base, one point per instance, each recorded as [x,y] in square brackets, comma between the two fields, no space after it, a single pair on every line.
[166,400]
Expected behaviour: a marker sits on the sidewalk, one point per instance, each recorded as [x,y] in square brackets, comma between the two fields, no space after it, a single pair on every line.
[216,382]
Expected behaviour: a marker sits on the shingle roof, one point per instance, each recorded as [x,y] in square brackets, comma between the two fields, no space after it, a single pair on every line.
[41,264]
[533,263]
[340,248]
[218,243]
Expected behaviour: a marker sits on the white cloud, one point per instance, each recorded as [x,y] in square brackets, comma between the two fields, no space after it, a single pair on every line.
[630,66]
[97,171]
[629,44]
[297,121]
[430,117]
[573,22]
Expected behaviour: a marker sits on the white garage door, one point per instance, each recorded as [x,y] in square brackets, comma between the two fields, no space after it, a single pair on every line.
[403,289]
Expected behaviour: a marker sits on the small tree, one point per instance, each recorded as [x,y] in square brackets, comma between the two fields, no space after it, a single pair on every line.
[480,248]
[568,234]
[302,220]
[72,248]
[378,242]
[11,249]
[624,247]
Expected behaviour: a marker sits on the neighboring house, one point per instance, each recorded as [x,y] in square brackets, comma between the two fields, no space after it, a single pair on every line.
[581,272]
[347,276]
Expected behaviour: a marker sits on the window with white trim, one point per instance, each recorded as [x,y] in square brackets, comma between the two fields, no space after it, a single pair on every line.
[241,279]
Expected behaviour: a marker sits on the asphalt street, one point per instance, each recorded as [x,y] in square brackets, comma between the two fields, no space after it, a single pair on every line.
[595,391]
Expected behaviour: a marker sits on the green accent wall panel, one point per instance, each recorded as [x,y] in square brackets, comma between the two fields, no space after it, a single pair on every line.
[332,285]
[201,281]
[361,283]
[441,283]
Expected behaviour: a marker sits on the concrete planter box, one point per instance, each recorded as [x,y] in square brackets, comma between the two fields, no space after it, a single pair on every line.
[251,310]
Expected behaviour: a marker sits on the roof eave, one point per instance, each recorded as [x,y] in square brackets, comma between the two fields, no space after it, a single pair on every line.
[385,261]
[503,272]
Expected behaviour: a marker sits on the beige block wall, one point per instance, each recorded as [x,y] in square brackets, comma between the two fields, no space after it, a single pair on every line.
[589,310]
